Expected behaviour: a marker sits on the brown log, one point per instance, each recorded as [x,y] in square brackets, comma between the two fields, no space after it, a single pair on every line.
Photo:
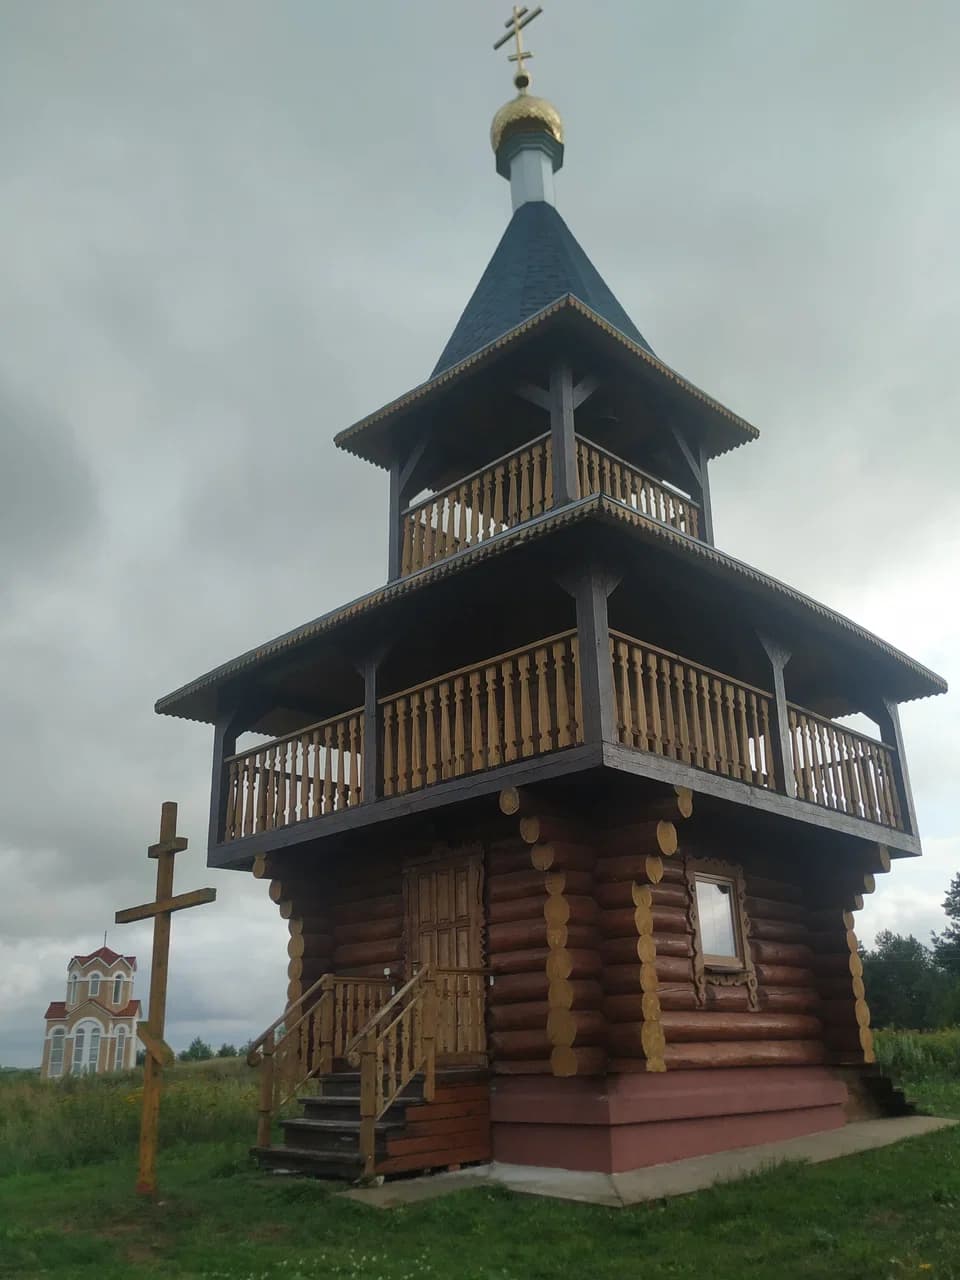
[776,890]
[307,970]
[554,856]
[759,1053]
[613,884]
[576,1026]
[844,1013]
[394,969]
[633,1007]
[533,1043]
[261,867]
[713,1026]
[383,907]
[670,895]
[683,995]
[562,963]
[528,1016]
[832,941]
[294,990]
[507,858]
[625,979]
[636,1039]
[830,918]
[517,908]
[779,931]
[577,1061]
[310,944]
[312,924]
[782,975]
[541,828]
[843,962]
[840,987]
[529,988]
[673,944]
[852,1038]
[528,935]
[772,909]
[383,952]
[368,930]
[569,909]
[790,953]
[641,838]
[624,922]
[516,884]
[530,1067]
[525,961]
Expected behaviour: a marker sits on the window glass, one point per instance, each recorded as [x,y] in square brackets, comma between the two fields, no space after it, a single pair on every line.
[718,932]
[56,1053]
[78,1038]
[72,990]
[94,1050]
[95,984]
[121,1050]
[117,989]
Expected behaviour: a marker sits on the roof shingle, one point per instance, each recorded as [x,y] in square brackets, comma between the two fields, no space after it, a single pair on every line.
[537,261]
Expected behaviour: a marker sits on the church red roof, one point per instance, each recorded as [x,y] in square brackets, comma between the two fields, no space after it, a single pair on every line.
[58,1009]
[107,956]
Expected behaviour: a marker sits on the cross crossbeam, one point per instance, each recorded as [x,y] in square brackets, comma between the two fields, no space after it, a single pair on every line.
[520,18]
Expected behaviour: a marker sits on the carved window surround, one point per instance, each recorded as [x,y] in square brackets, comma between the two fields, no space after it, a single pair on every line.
[713,971]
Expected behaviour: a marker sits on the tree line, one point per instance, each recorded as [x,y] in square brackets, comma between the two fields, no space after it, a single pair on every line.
[911,985]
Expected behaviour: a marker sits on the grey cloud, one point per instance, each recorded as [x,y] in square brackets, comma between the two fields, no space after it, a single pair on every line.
[225,239]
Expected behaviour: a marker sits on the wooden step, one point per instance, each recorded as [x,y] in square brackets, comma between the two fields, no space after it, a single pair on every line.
[346,1084]
[348,1108]
[334,1135]
[338,1166]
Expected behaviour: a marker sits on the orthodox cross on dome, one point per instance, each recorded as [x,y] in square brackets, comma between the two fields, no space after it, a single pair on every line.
[159,1053]
[520,18]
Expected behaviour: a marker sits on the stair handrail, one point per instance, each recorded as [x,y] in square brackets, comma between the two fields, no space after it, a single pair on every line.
[406,1026]
[255,1049]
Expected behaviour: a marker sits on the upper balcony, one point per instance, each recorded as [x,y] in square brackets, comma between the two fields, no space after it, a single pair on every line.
[517,488]
[525,715]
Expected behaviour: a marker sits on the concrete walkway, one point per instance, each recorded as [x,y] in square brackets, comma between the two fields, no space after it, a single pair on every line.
[659,1181]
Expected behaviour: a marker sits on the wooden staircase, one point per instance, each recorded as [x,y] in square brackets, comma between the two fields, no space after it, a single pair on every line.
[385,1117]
[411,1135]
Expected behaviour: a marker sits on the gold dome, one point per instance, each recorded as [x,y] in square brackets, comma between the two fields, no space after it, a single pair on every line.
[525,112]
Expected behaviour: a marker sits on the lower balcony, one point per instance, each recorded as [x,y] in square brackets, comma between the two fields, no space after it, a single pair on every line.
[503,719]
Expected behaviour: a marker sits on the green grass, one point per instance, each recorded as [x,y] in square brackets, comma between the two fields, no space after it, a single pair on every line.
[878,1216]
[920,1054]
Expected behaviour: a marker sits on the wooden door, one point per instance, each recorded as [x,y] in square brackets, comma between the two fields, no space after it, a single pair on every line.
[444,928]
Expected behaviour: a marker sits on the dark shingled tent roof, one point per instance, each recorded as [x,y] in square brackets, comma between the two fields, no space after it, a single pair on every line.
[537,261]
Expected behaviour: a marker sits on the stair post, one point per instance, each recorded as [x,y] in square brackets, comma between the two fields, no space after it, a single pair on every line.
[429,1035]
[368,1101]
[326,1031]
[265,1109]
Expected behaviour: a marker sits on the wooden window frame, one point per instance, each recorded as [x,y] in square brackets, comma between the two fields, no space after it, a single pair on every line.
[721,971]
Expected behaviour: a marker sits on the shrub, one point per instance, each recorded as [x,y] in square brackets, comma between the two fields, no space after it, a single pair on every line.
[920,1055]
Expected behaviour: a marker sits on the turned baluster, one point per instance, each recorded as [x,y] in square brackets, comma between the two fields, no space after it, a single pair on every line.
[498,521]
[544,727]
[389,781]
[562,702]
[526,712]
[620,653]
[459,737]
[653,702]
[494,752]
[536,497]
[696,732]
[513,495]
[524,486]
[447,763]
[432,771]
[510,744]
[403,777]
[706,716]
[476,724]
[416,745]
[669,729]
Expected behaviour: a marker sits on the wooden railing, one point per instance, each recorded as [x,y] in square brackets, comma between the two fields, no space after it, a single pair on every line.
[396,1044]
[602,472]
[512,706]
[309,1037]
[461,1012]
[677,708]
[508,492]
[843,770]
[307,774]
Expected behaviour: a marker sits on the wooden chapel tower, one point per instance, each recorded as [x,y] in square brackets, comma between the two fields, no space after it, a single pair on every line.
[562,818]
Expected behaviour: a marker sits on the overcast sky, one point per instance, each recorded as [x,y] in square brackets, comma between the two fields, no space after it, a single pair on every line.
[228,229]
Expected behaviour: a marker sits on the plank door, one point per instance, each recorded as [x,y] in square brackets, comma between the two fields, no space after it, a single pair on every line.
[443,928]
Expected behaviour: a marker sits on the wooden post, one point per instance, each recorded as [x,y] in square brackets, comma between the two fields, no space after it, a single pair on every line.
[563,434]
[368,664]
[224,744]
[368,1101]
[431,1013]
[887,716]
[697,460]
[401,478]
[265,1108]
[590,586]
[150,1032]
[779,656]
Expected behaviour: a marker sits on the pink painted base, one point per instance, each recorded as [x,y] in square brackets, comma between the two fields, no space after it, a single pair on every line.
[616,1123]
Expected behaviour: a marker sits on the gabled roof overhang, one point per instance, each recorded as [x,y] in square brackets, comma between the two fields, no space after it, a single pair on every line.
[905,678]
[383,436]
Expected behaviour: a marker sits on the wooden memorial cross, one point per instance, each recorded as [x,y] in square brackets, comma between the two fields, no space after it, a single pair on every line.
[159,1054]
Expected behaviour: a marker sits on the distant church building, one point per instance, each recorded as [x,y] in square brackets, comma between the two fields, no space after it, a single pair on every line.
[94,1029]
